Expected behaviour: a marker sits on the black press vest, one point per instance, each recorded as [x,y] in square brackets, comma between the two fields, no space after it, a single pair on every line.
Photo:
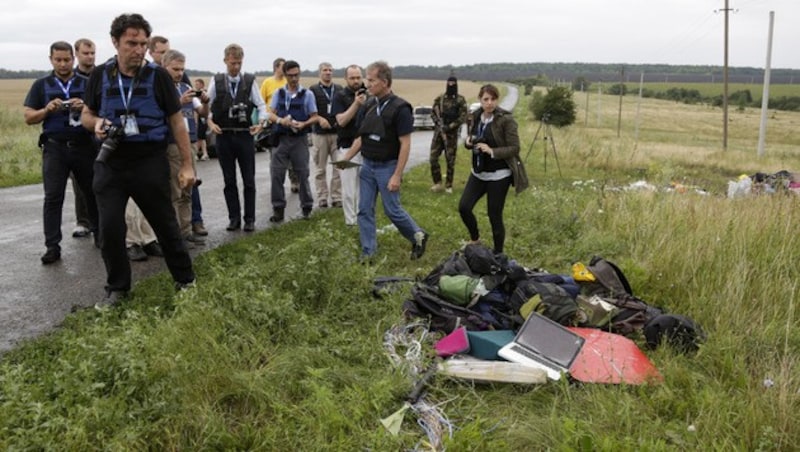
[379,140]
[224,101]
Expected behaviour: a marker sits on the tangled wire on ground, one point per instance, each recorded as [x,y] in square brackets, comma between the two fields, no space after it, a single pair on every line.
[403,344]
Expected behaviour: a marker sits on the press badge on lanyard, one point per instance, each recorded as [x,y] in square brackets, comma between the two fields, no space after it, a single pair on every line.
[378,110]
[329,96]
[128,119]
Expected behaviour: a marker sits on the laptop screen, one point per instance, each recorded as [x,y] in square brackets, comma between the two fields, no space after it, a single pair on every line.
[550,339]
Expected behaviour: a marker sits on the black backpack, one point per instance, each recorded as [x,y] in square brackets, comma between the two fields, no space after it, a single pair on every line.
[487,314]
[482,260]
[609,279]
[680,332]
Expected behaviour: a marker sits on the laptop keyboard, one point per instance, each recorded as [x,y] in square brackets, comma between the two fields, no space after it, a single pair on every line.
[527,353]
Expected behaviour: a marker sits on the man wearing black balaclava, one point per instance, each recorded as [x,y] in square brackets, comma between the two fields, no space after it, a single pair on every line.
[449,112]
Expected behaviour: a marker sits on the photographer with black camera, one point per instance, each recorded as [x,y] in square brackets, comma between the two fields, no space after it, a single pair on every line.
[496,165]
[234,96]
[55,101]
[132,105]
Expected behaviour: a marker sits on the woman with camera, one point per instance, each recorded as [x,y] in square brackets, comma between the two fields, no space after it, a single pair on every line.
[496,165]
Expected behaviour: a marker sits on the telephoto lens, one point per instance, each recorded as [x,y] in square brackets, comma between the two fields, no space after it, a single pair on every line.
[113,135]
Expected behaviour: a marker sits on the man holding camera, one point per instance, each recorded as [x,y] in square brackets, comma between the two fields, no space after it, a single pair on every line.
[233,96]
[55,101]
[268,88]
[294,111]
[132,105]
[449,112]
[346,104]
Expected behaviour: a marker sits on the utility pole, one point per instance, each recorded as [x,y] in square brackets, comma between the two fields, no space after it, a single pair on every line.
[725,84]
[762,131]
[621,93]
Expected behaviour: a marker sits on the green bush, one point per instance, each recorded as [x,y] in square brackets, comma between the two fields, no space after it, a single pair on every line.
[557,107]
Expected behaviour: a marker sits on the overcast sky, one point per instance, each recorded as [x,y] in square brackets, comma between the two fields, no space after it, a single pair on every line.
[428,32]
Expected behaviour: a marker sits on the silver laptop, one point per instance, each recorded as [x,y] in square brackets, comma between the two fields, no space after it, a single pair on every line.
[543,344]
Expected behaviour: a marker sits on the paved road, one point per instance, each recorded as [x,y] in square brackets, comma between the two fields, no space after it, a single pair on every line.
[35,298]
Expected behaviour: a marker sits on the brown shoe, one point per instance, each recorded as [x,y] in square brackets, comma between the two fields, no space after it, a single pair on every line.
[199,229]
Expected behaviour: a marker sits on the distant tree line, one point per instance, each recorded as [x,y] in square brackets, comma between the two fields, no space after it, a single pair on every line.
[742,98]
[549,73]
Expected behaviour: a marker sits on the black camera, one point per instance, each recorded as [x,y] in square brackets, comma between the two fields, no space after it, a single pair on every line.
[198,92]
[66,105]
[239,112]
[113,136]
[475,141]
[361,90]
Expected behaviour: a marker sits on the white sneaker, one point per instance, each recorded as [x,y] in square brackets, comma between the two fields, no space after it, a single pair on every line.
[437,188]
[449,190]
[80,231]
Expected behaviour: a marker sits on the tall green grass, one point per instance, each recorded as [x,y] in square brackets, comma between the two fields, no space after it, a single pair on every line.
[20,158]
[280,346]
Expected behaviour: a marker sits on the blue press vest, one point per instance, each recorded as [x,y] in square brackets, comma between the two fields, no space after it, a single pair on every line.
[150,118]
[56,124]
[297,108]
[187,111]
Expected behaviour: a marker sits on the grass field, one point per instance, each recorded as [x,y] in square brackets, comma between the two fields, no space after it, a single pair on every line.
[715,89]
[281,346]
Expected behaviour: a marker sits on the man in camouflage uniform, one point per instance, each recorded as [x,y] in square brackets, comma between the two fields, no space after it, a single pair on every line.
[449,112]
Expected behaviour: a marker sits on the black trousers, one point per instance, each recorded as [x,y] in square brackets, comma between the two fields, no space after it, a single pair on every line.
[496,192]
[233,148]
[146,180]
[58,160]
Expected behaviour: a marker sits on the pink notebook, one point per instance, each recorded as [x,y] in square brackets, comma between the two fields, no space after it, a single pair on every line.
[453,344]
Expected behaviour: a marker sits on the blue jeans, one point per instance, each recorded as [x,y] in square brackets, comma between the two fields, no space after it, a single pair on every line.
[374,179]
[197,206]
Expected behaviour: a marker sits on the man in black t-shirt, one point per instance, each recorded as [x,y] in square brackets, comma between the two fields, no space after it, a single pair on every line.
[55,101]
[132,106]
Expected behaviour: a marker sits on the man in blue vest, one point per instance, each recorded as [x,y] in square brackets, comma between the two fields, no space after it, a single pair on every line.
[132,106]
[385,124]
[233,96]
[294,111]
[55,101]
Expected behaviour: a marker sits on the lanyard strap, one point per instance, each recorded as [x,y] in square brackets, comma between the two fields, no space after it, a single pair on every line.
[126,99]
[234,87]
[379,108]
[325,92]
[482,125]
[65,89]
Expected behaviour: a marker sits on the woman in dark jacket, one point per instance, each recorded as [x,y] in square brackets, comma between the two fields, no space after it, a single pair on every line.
[496,166]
